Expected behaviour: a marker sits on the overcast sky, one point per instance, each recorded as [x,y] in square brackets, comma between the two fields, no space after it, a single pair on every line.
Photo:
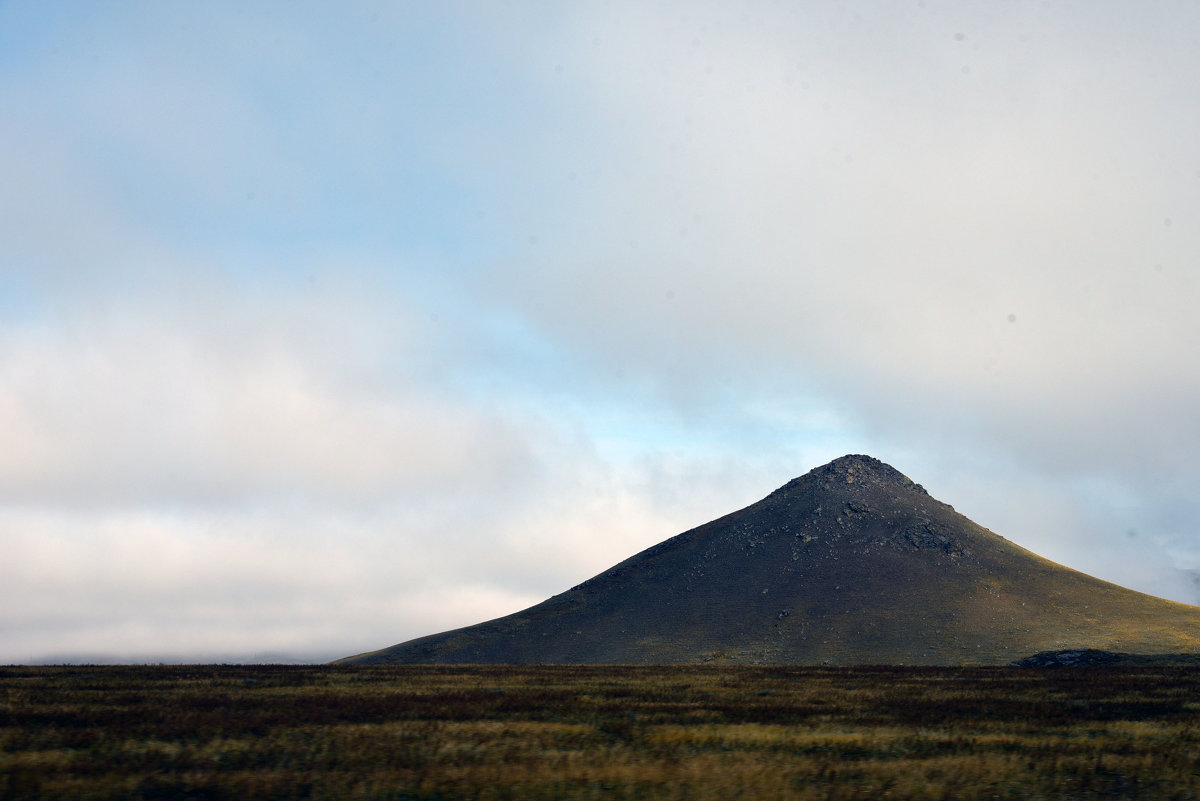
[326,326]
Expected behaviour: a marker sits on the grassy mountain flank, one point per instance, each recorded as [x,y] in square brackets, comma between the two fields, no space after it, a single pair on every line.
[851,563]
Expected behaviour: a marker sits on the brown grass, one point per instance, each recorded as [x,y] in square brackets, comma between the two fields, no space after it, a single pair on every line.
[598,732]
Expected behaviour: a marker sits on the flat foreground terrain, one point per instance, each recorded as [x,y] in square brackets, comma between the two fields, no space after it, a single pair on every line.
[267,732]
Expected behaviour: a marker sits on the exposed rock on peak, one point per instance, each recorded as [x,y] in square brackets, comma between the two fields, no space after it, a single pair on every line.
[856,466]
[854,469]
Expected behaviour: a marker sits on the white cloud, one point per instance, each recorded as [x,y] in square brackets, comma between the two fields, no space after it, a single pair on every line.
[211,390]
[834,231]
[329,332]
[968,241]
[319,581]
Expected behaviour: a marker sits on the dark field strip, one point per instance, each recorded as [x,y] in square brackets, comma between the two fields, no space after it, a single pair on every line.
[317,732]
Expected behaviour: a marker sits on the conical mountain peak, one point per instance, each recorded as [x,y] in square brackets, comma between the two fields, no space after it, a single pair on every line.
[851,563]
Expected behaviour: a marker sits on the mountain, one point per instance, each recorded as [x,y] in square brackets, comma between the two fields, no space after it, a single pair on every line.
[851,563]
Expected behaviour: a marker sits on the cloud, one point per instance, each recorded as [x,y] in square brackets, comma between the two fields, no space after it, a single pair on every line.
[316,579]
[838,231]
[318,331]
[971,240]
[224,400]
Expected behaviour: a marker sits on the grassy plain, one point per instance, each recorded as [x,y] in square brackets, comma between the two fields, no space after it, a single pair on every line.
[320,732]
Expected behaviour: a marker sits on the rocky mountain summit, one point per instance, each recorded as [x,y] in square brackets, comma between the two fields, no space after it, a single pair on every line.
[851,563]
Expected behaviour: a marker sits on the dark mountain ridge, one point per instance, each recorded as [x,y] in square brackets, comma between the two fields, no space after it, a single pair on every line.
[851,563]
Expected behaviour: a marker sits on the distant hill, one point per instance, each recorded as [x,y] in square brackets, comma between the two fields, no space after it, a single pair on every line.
[1093,658]
[852,563]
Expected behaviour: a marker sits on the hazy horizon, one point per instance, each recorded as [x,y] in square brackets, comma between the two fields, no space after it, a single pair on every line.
[326,328]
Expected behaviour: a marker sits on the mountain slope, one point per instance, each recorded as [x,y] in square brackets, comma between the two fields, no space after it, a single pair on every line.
[852,563]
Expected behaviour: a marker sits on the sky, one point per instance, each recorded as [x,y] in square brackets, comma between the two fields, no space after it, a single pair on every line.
[327,326]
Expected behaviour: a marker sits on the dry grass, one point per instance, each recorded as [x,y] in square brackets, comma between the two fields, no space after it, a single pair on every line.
[598,732]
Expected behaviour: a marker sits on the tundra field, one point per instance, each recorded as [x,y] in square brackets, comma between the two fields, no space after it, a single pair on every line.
[331,732]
